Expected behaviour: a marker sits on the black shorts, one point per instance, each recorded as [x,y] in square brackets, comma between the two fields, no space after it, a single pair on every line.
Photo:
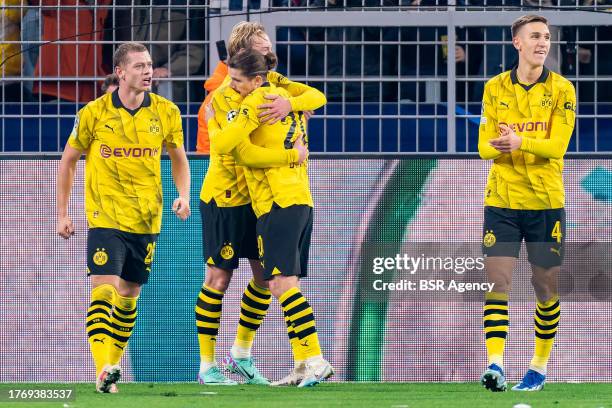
[120,253]
[283,238]
[229,234]
[543,231]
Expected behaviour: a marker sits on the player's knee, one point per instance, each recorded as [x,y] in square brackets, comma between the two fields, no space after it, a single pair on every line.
[502,282]
[280,284]
[128,289]
[217,279]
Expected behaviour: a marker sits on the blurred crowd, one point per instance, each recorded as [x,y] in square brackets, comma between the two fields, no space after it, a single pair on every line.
[49,72]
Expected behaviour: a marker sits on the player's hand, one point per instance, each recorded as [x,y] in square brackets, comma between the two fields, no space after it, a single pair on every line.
[508,141]
[160,72]
[65,228]
[308,114]
[301,148]
[459,54]
[275,110]
[209,112]
[181,209]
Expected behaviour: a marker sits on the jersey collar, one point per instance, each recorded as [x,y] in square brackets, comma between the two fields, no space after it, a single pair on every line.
[146,102]
[542,79]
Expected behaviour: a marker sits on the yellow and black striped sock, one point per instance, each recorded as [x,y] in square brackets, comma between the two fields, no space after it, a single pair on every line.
[208,318]
[302,319]
[253,308]
[123,320]
[99,329]
[546,320]
[294,342]
[496,322]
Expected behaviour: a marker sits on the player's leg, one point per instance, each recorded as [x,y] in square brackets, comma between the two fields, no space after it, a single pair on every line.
[546,249]
[285,254]
[208,319]
[254,304]
[140,250]
[299,364]
[219,230]
[501,244]
[105,259]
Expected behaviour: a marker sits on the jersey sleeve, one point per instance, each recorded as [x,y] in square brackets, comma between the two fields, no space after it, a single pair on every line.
[82,132]
[250,155]
[174,136]
[303,97]
[238,129]
[488,128]
[561,128]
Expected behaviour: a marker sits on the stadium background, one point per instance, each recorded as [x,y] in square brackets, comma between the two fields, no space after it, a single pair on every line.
[395,164]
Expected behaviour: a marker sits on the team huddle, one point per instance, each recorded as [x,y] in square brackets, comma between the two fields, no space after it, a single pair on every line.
[256,204]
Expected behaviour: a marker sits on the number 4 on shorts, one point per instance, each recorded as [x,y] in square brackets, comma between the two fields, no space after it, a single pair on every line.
[556,232]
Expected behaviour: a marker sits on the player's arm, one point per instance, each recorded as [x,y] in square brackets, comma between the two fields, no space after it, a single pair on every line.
[223,141]
[78,142]
[303,98]
[561,128]
[180,164]
[488,129]
[248,154]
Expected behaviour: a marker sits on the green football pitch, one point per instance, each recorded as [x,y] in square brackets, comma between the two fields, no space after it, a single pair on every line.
[392,395]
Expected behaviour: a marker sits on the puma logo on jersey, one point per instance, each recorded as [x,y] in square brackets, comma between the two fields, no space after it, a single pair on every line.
[504,104]
[112,130]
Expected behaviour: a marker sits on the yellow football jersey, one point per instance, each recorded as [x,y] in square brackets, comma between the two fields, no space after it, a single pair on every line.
[123,169]
[543,114]
[225,181]
[284,186]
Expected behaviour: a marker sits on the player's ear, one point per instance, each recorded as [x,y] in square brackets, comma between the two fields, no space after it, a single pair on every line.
[517,43]
[119,72]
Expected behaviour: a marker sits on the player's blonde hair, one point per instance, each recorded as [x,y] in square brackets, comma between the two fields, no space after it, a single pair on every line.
[121,53]
[242,36]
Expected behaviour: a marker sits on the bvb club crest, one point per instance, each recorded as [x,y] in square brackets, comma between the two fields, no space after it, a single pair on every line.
[227,252]
[489,239]
[100,257]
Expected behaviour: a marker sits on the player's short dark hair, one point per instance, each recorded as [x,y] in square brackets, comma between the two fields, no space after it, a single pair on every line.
[122,52]
[109,80]
[523,20]
[252,63]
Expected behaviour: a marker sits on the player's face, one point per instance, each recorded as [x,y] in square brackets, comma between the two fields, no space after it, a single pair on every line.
[533,43]
[137,72]
[243,84]
[262,44]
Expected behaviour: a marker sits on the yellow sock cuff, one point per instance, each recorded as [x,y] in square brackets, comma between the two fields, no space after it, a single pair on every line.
[103,292]
[215,291]
[549,302]
[125,302]
[496,296]
[263,291]
[287,294]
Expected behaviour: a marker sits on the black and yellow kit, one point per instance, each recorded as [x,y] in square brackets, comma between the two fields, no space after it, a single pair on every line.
[123,188]
[530,178]
[278,194]
[228,219]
